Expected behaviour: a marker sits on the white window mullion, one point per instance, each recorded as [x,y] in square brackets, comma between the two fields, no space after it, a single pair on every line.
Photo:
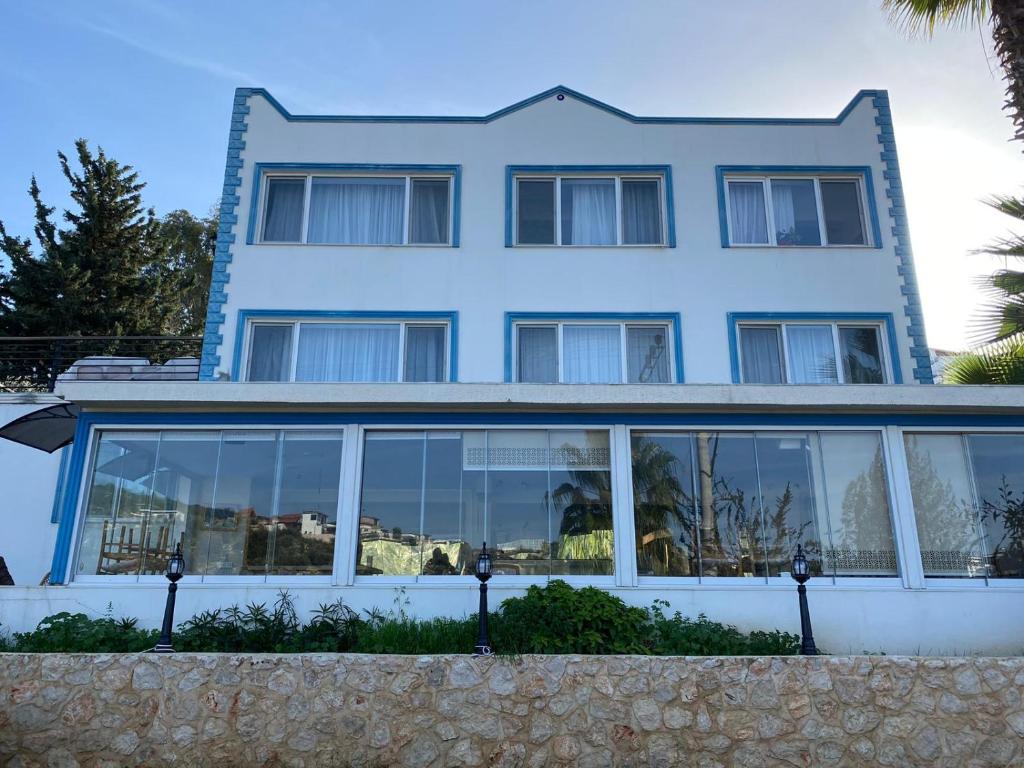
[840,373]
[623,525]
[558,210]
[618,210]
[908,545]
[558,351]
[623,364]
[769,211]
[785,353]
[819,205]
[307,203]
[347,525]
[402,329]
[407,235]
[293,362]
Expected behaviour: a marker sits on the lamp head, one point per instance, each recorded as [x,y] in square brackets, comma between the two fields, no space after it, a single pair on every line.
[483,564]
[176,565]
[801,570]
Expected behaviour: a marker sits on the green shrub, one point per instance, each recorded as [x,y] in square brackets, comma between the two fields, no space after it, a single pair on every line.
[64,632]
[559,619]
[681,636]
[400,634]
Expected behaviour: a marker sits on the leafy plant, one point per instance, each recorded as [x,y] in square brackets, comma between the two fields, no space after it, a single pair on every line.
[65,631]
[677,635]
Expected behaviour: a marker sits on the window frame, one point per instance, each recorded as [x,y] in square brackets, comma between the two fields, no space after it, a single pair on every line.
[880,326]
[297,320]
[618,174]
[264,172]
[558,322]
[764,173]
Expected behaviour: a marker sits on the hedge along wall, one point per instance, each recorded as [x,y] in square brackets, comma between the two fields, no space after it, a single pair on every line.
[341,710]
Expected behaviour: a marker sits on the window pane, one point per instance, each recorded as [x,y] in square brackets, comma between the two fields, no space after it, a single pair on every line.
[233,533]
[862,355]
[998,462]
[812,354]
[647,354]
[858,505]
[348,352]
[282,222]
[425,353]
[786,488]
[663,505]
[270,355]
[947,523]
[747,216]
[761,353]
[518,502]
[581,496]
[453,517]
[591,354]
[356,211]
[730,512]
[428,211]
[641,212]
[302,539]
[538,354]
[840,200]
[796,212]
[535,206]
[588,212]
[113,533]
[392,505]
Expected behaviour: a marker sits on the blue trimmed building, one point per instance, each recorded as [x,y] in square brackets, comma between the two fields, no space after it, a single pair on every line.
[653,354]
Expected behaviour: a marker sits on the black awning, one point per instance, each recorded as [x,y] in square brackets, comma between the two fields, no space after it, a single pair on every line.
[46,429]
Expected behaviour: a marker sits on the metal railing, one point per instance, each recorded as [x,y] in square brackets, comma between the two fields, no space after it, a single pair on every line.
[38,363]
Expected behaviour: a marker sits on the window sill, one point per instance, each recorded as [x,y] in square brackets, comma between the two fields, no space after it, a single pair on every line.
[354,245]
[769,247]
[535,246]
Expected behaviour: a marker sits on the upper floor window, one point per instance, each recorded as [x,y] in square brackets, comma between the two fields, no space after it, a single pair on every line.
[796,211]
[590,209]
[357,210]
[812,353]
[349,351]
[593,353]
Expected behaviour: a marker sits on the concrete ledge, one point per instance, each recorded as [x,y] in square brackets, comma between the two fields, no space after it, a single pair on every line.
[192,396]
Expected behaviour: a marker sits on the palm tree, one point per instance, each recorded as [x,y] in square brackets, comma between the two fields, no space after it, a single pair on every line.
[1001,323]
[1007,19]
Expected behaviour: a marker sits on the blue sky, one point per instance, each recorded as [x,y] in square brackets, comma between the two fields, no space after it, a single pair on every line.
[151,81]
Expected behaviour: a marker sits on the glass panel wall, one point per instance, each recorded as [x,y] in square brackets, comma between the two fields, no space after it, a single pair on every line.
[738,503]
[968,492]
[541,499]
[251,502]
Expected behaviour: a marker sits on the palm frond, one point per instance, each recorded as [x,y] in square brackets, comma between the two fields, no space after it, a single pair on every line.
[1000,363]
[922,16]
[1001,316]
[1012,245]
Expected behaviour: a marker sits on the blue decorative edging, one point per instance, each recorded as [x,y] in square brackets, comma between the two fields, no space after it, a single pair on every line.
[901,231]
[229,200]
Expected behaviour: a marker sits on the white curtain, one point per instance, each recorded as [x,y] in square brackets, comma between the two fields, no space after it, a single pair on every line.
[283,222]
[428,211]
[796,212]
[271,347]
[538,355]
[424,353]
[591,354]
[812,354]
[588,212]
[647,354]
[762,363]
[746,206]
[356,211]
[641,213]
[347,352]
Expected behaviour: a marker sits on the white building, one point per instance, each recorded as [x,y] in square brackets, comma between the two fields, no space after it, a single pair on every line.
[649,354]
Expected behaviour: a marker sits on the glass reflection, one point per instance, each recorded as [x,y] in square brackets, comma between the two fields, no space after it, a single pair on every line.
[999,479]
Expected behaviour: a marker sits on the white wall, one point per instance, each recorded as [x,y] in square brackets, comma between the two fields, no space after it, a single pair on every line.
[28,479]
[483,279]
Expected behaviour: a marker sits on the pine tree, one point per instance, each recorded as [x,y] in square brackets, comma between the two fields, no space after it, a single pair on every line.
[102,274]
[191,242]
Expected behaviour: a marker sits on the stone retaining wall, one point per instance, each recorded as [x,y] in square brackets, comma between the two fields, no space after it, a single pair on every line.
[353,710]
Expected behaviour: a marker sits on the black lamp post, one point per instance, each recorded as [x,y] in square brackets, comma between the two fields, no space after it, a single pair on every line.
[801,573]
[175,570]
[483,573]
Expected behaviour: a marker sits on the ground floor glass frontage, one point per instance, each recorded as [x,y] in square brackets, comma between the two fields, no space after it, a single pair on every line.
[354,503]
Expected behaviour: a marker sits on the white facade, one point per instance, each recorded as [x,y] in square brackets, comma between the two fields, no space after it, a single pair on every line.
[314,486]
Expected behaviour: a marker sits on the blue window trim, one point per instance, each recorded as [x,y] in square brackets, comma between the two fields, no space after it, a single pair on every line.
[247,315]
[864,171]
[885,318]
[561,90]
[511,318]
[82,447]
[665,171]
[260,170]
[61,487]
